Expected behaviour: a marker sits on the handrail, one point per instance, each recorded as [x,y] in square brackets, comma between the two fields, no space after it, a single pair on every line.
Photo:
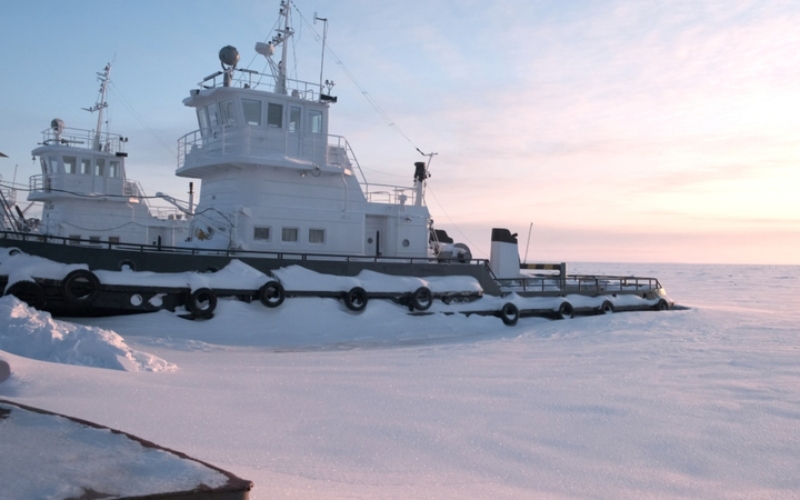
[581,283]
[293,256]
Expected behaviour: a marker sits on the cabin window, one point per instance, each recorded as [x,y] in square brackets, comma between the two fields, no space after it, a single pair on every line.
[294,119]
[113,168]
[99,167]
[316,236]
[213,116]
[75,239]
[52,165]
[275,115]
[289,234]
[252,112]
[71,164]
[113,239]
[94,240]
[86,166]
[227,112]
[261,233]
[202,118]
[315,121]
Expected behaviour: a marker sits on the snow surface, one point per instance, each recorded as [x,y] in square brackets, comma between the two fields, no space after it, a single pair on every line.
[312,400]
[31,443]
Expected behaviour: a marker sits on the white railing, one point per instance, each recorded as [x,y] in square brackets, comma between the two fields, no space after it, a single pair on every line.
[109,143]
[249,79]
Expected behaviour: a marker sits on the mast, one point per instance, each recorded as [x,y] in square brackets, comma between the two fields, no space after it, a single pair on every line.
[285,33]
[100,105]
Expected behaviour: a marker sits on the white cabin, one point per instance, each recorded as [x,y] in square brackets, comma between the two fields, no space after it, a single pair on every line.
[274,179]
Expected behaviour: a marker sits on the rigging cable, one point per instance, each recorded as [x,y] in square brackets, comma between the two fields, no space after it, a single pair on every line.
[139,118]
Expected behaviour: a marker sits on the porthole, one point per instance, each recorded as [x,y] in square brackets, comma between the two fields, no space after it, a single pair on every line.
[406,243]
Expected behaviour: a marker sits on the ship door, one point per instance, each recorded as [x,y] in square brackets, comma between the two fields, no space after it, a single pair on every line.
[375,238]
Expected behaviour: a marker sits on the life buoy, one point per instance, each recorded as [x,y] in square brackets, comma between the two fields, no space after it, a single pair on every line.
[355,299]
[509,313]
[421,299]
[565,310]
[271,294]
[29,292]
[80,288]
[202,302]
[607,307]
[662,305]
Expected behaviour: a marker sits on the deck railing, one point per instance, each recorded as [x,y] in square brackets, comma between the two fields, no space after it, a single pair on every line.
[289,256]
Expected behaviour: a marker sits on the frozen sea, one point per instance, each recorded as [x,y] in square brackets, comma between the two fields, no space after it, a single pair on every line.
[312,401]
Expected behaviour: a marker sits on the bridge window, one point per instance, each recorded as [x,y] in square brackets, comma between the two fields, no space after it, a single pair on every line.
[51,166]
[86,166]
[202,118]
[99,167]
[252,112]
[113,168]
[316,236]
[213,116]
[71,164]
[275,115]
[228,113]
[74,239]
[261,233]
[294,119]
[289,234]
[315,121]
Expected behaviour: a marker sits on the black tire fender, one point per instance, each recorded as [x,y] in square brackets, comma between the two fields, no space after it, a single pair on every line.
[126,264]
[509,313]
[271,294]
[355,299]
[421,299]
[202,302]
[80,288]
[565,310]
[661,305]
[607,307]
[29,292]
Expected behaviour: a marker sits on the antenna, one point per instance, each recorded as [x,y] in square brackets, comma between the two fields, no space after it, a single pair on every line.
[529,242]
[324,38]
[101,104]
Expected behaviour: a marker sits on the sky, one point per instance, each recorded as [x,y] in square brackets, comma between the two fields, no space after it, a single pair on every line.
[612,131]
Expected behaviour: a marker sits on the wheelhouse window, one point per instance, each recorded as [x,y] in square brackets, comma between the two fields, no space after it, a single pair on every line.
[315,121]
[275,115]
[261,233]
[227,112]
[316,236]
[113,239]
[86,166]
[74,239]
[294,119]
[113,168]
[251,109]
[202,118]
[71,164]
[94,240]
[289,234]
[214,120]
[99,167]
